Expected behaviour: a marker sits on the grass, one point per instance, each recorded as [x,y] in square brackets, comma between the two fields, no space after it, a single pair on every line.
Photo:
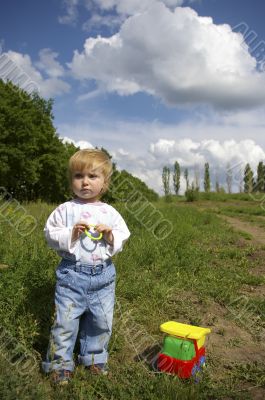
[197,268]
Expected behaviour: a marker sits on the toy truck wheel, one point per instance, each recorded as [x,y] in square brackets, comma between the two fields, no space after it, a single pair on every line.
[202,362]
[195,370]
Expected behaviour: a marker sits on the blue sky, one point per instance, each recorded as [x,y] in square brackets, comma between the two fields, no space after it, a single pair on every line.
[153,81]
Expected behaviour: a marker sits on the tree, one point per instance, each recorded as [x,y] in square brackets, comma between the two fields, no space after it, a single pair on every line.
[217,184]
[238,172]
[197,178]
[166,180]
[192,193]
[259,186]
[248,179]
[176,177]
[240,186]
[229,178]
[186,176]
[207,183]
[33,159]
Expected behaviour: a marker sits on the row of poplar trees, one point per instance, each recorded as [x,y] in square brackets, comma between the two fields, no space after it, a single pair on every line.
[247,183]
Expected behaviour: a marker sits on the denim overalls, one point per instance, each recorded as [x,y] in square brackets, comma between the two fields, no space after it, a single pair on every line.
[84,303]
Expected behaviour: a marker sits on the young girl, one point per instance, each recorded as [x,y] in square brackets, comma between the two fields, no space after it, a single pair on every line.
[86,233]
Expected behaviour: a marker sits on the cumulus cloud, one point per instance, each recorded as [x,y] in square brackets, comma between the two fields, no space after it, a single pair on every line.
[2,45]
[220,156]
[243,118]
[184,151]
[20,69]
[112,13]
[192,155]
[98,21]
[191,144]
[144,167]
[131,7]
[175,55]
[71,12]
[82,144]
[189,152]
[49,64]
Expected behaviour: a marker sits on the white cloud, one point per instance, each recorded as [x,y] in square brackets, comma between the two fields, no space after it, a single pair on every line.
[177,56]
[90,95]
[98,21]
[173,3]
[192,155]
[71,16]
[143,167]
[82,144]
[20,69]
[251,118]
[131,7]
[108,13]
[189,152]
[192,144]
[185,151]
[112,13]
[122,153]
[49,64]
[2,45]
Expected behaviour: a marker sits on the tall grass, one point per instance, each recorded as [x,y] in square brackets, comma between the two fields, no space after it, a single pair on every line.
[158,280]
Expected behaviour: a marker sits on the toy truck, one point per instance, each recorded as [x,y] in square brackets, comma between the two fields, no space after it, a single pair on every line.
[183,351]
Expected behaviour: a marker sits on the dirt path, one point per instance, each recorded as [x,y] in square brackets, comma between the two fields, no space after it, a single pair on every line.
[258,234]
[231,343]
[258,238]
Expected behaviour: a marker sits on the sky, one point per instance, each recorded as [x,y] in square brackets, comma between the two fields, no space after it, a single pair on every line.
[152,81]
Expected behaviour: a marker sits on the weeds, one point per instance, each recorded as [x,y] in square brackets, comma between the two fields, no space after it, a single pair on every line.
[197,266]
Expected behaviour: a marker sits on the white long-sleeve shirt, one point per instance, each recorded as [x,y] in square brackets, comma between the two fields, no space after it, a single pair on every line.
[59,226]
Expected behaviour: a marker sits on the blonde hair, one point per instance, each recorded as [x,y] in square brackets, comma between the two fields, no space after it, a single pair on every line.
[91,159]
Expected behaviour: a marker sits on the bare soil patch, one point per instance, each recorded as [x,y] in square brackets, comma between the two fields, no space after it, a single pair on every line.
[258,256]
[228,342]
[257,233]
[253,291]
[229,345]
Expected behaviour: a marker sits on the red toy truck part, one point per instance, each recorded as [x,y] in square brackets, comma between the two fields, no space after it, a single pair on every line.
[180,366]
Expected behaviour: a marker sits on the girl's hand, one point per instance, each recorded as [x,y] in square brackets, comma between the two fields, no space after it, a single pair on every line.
[107,232]
[78,229]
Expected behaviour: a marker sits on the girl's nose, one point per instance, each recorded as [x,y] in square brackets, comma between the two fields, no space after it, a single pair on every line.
[85,180]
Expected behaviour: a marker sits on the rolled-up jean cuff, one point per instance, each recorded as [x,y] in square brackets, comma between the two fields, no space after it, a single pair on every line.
[51,366]
[93,359]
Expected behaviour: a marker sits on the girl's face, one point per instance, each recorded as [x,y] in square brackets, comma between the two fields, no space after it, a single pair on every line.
[87,184]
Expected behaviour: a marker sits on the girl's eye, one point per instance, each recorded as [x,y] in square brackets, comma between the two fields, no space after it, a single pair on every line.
[79,175]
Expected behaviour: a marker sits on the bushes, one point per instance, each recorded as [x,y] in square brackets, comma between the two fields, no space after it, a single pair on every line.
[192,194]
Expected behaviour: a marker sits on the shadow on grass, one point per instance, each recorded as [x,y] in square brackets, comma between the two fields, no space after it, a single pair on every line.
[40,304]
[148,357]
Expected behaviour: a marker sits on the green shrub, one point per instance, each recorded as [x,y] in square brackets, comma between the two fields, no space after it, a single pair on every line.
[192,194]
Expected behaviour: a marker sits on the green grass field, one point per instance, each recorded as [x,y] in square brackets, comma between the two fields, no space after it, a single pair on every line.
[203,273]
